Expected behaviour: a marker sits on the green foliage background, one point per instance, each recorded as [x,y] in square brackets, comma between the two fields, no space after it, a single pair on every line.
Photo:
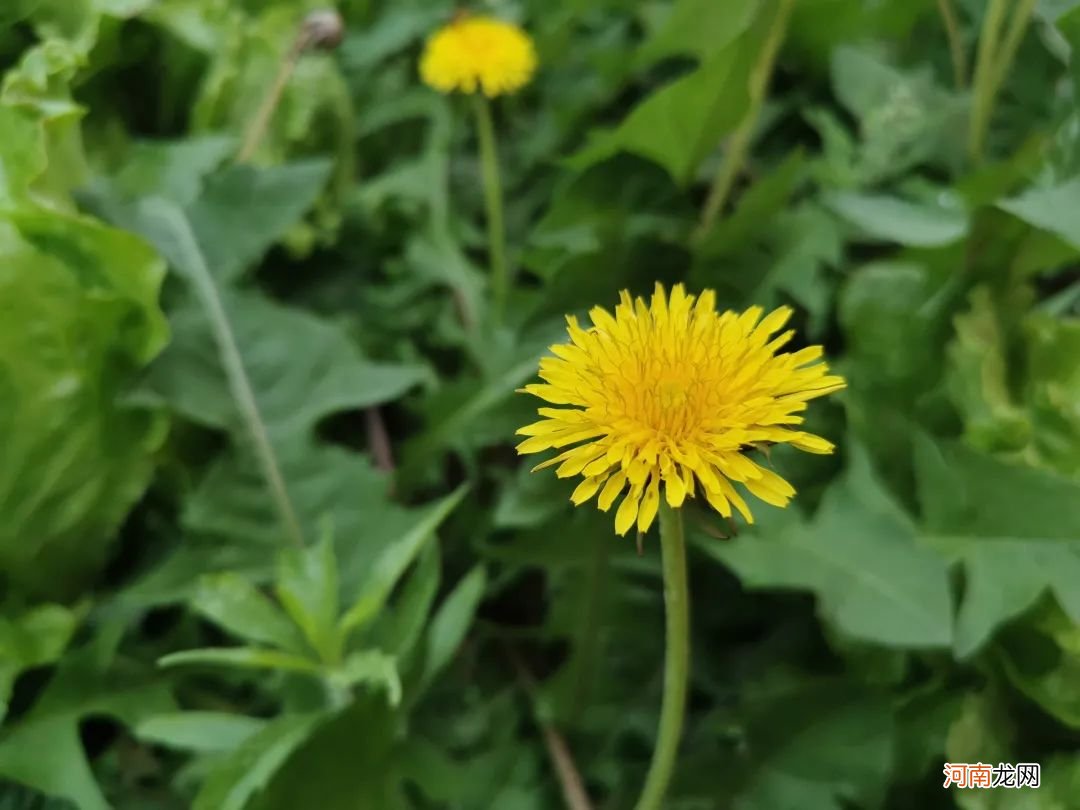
[427,636]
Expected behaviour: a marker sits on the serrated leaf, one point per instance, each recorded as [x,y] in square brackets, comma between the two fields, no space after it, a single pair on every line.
[44,750]
[244,211]
[860,559]
[679,124]
[292,396]
[818,746]
[1010,555]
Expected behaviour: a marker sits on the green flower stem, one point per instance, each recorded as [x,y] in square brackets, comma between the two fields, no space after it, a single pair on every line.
[493,200]
[739,144]
[992,64]
[236,376]
[956,42]
[676,659]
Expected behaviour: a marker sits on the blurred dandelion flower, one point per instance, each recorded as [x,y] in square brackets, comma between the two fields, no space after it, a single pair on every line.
[478,53]
[672,395]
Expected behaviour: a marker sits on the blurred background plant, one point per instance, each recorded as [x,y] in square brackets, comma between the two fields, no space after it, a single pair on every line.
[264,541]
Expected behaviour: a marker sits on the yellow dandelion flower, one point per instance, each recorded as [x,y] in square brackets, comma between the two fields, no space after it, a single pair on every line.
[672,396]
[478,53]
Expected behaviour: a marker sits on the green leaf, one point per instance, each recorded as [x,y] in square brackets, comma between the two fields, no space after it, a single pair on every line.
[349,763]
[402,626]
[34,638]
[393,562]
[239,777]
[818,746]
[699,28]
[374,668]
[1052,390]
[978,380]
[679,124]
[174,170]
[43,750]
[242,212]
[307,586]
[1010,556]
[201,732]
[1042,658]
[905,119]
[893,219]
[242,658]
[860,558]
[291,396]
[78,320]
[1049,208]
[239,608]
[327,485]
[451,622]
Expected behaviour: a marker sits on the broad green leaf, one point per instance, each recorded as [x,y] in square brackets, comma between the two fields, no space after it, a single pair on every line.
[1016,529]
[174,170]
[679,124]
[241,658]
[236,213]
[36,637]
[245,772]
[242,211]
[327,484]
[451,622]
[904,118]
[349,763]
[818,746]
[292,396]
[393,562]
[895,317]
[244,47]
[1049,208]
[699,28]
[43,749]
[40,85]
[860,559]
[238,607]
[307,586]
[78,319]
[200,731]
[893,219]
